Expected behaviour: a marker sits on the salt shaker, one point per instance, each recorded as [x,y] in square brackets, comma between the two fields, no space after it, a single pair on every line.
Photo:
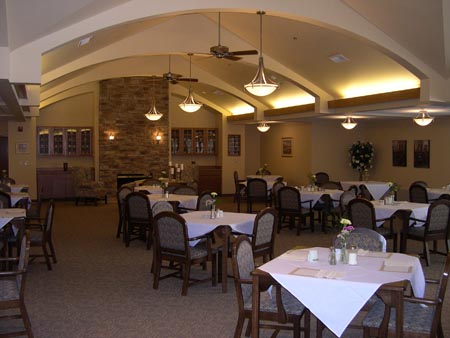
[332,256]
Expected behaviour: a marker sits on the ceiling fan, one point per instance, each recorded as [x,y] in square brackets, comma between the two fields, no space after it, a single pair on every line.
[174,78]
[223,52]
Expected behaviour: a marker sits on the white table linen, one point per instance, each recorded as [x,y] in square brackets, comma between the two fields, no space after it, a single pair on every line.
[434,193]
[17,196]
[316,195]
[8,214]
[336,301]
[18,187]
[199,223]
[153,189]
[186,201]
[270,179]
[376,189]
[418,210]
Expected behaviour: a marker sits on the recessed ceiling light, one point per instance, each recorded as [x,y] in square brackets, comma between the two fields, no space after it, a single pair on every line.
[84,41]
[338,58]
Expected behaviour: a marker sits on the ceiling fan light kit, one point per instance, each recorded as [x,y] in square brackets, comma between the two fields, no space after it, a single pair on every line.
[153,114]
[263,126]
[260,85]
[349,123]
[423,119]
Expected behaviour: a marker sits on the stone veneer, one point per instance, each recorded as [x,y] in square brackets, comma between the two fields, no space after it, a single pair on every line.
[123,104]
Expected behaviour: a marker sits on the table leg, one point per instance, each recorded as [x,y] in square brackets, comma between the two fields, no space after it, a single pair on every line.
[223,232]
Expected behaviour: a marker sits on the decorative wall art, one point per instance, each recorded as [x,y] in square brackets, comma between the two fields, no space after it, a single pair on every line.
[286,146]
[399,153]
[234,145]
[421,153]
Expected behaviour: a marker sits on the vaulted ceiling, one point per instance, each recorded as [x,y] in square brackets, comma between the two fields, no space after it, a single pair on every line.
[386,46]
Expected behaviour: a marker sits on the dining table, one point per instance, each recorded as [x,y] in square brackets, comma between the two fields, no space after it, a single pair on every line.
[377,189]
[8,214]
[186,201]
[18,187]
[315,195]
[336,293]
[435,193]
[200,223]
[152,189]
[270,179]
[17,196]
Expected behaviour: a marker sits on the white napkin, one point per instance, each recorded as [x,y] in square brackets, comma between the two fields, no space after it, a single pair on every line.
[296,255]
[317,273]
[398,263]
[378,254]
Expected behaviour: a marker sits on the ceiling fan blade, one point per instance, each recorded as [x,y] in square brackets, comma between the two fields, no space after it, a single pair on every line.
[232,58]
[245,52]
[187,79]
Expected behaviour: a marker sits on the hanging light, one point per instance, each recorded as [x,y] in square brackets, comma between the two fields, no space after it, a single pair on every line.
[349,123]
[153,114]
[263,126]
[423,119]
[260,85]
[189,105]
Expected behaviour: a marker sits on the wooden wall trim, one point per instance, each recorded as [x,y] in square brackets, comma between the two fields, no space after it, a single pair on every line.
[304,108]
[407,94]
[241,117]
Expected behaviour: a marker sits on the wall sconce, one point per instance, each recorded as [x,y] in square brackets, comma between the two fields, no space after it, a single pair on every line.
[158,138]
[111,137]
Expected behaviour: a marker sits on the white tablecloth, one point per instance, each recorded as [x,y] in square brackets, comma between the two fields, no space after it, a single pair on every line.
[434,193]
[8,214]
[199,222]
[419,210]
[376,189]
[337,301]
[18,187]
[154,189]
[186,201]
[270,179]
[316,195]
[17,196]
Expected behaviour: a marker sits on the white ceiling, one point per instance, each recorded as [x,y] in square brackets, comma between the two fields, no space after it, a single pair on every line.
[295,49]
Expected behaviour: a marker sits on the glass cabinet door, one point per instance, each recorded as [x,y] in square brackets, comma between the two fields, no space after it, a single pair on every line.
[58,141]
[86,141]
[212,142]
[199,141]
[175,141]
[44,141]
[187,141]
[71,134]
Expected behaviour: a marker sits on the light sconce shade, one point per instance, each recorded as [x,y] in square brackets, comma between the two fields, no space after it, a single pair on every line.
[423,119]
[260,85]
[189,105]
[349,123]
[158,138]
[153,114]
[111,137]
[263,127]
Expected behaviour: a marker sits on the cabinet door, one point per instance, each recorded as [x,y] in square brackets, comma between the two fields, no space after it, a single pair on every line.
[71,135]
[58,141]
[175,141]
[199,141]
[187,141]
[212,142]
[43,141]
[86,141]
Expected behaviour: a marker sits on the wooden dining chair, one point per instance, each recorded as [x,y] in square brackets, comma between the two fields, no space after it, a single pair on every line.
[321,178]
[418,193]
[364,238]
[263,237]
[139,219]
[256,192]
[161,206]
[5,199]
[293,208]
[239,190]
[283,311]
[172,245]
[421,316]
[122,193]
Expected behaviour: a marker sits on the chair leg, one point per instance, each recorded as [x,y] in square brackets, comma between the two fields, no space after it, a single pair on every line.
[426,252]
[52,251]
[26,320]
[119,228]
[156,272]
[239,326]
[46,256]
[214,269]
[186,274]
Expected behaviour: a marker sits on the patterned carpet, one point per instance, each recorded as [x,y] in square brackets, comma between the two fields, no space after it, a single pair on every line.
[101,289]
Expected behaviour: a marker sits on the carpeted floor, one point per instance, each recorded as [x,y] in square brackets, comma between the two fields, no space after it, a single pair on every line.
[101,289]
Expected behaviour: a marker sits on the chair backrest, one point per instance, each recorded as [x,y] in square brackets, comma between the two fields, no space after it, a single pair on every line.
[24,256]
[243,265]
[289,198]
[122,193]
[236,178]
[440,296]
[5,199]
[185,190]
[170,232]
[49,219]
[418,193]
[22,203]
[345,199]
[256,187]
[263,172]
[202,201]
[264,229]
[366,239]
[275,187]
[322,177]
[161,206]
[362,213]
[354,189]
[4,187]
[137,207]
[438,217]
[422,183]
[365,193]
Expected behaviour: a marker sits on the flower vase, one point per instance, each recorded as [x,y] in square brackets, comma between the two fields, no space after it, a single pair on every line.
[213,211]
[344,253]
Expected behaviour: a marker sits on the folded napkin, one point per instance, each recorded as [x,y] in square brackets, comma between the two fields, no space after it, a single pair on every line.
[296,255]
[317,273]
[399,268]
[398,263]
[378,254]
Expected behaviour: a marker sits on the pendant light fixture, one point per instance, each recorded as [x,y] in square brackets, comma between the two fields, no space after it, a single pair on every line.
[153,114]
[189,105]
[349,123]
[423,119]
[263,126]
[260,85]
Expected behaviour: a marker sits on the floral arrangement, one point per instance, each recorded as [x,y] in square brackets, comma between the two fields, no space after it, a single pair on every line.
[347,228]
[263,169]
[164,180]
[212,202]
[312,179]
[361,156]
[393,187]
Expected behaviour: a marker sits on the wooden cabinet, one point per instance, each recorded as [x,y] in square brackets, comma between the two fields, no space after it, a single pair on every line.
[209,178]
[64,141]
[55,183]
[196,141]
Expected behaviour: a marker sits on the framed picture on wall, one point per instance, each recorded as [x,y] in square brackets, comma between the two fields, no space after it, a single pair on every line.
[286,146]
[234,145]
[21,148]
[399,153]
[421,153]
